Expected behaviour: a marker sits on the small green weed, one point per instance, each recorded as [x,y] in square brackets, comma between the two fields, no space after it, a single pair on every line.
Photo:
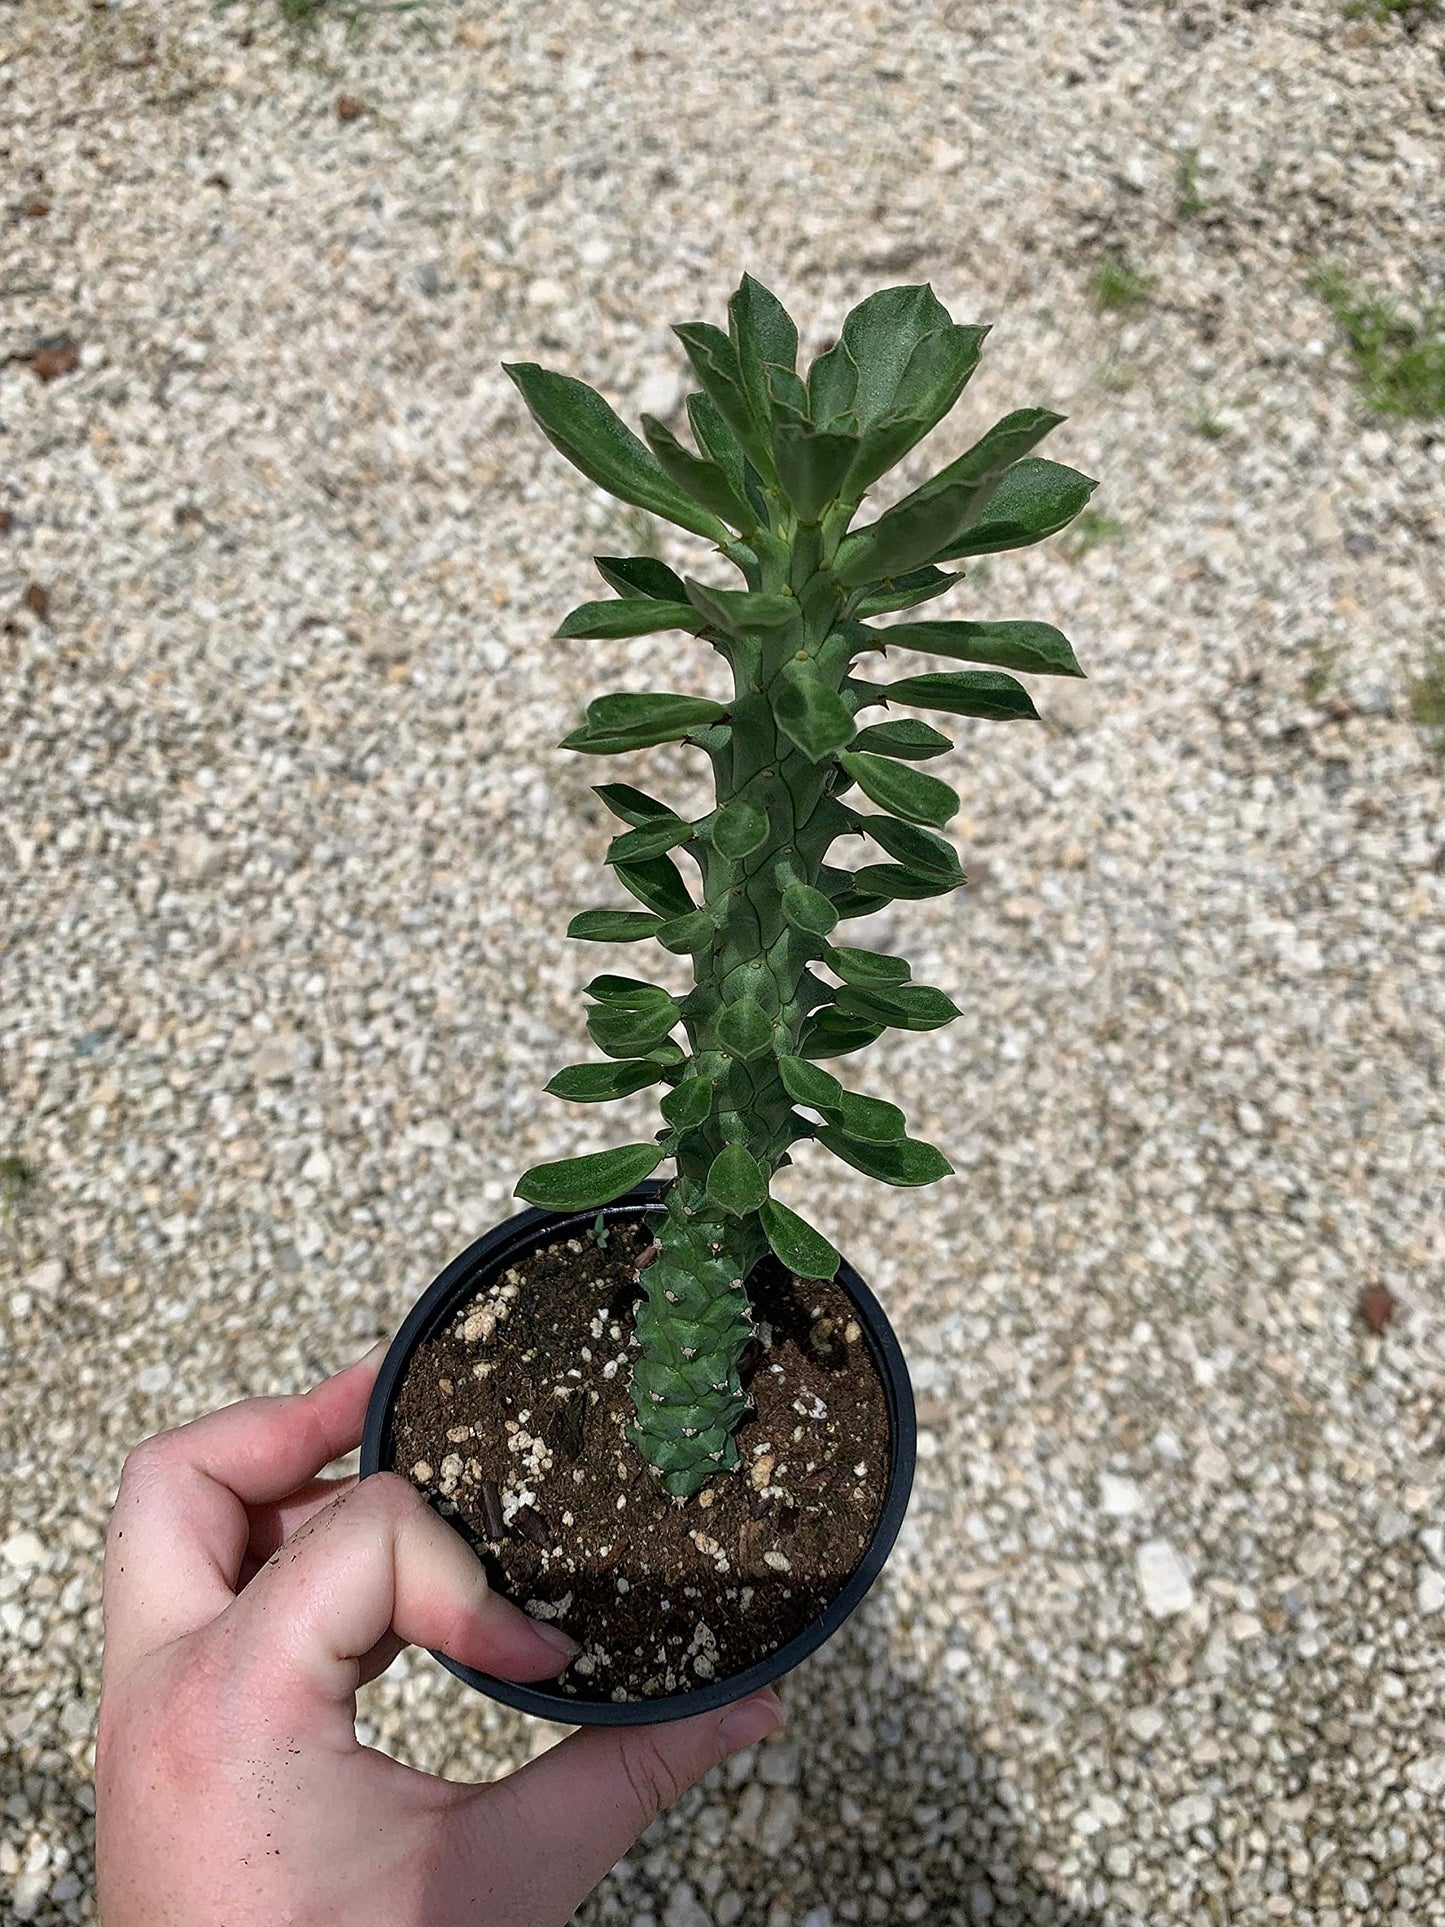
[1400,359]
[1427,701]
[1188,201]
[1321,672]
[1118,288]
[1206,423]
[1410,12]
[16,1177]
[1090,529]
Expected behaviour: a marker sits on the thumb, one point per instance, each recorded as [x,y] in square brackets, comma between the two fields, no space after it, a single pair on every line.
[589,1799]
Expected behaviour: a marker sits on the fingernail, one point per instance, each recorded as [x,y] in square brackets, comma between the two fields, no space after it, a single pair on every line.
[376,1354]
[559,1641]
[748,1722]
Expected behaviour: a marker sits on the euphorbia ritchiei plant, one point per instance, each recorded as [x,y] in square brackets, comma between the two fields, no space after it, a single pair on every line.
[780,470]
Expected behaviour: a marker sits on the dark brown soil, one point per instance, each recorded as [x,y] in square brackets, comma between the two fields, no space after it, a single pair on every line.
[511,1421]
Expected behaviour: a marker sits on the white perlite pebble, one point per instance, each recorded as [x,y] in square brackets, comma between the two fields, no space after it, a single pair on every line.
[1430,1594]
[684,1909]
[817,1917]
[1163,1579]
[46,1278]
[24,1551]
[779,1821]
[1427,1774]
[153,1379]
[1194,1810]
[1119,1498]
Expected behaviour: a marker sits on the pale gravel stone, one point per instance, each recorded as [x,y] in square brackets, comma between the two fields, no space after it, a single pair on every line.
[1163,1577]
[1119,1498]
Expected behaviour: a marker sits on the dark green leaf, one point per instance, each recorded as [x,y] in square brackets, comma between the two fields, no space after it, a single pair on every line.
[612,926]
[640,575]
[600,1083]
[632,806]
[967,692]
[910,741]
[631,992]
[1034,647]
[871,969]
[881,334]
[921,850]
[832,1034]
[796,1244]
[744,1029]
[651,839]
[806,1084]
[584,428]
[736,1180]
[906,592]
[689,1104]
[937,371]
[906,1007]
[739,828]
[884,882]
[631,616]
[908,1162]
[904,792]
[657,883]
[787,397]
[920,528]
[630,1033]
[698,476]
[832,385]
[1035,499]
[763,334]
[869,1119]
[738,610]
[808,910]
[715,363]
[619,723]
[585,1184]
[859,903]
[811,465]
[717,441]
[811,714]
[686,935]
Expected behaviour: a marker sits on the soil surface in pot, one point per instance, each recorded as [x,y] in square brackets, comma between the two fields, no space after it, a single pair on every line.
[510,1420]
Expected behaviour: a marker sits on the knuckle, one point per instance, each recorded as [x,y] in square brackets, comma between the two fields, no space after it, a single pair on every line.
[654,1781]
[386,1495]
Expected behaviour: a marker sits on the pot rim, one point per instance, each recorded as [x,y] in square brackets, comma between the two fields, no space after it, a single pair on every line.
[502,1245]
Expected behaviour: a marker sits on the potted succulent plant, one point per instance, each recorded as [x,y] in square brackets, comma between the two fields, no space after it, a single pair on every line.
[668,1415]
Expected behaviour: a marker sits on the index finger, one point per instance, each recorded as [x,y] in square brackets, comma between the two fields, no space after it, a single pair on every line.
[180,1527]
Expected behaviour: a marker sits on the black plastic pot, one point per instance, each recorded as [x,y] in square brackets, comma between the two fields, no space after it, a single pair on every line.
[470,1273]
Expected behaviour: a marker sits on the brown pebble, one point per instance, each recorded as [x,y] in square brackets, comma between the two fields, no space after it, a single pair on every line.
[529,1522]
[57,358]
[1377,1307]
[349,108]
[37,601]
[492,1509]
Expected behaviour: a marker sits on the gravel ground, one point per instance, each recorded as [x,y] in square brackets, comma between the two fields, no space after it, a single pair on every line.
[291,851]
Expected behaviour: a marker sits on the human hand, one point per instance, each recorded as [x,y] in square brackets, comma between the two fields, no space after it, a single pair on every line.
[246,1599]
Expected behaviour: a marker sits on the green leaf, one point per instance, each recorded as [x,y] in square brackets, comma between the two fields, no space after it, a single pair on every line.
[832,385]
[910,741]
[1034,647]
[806,1084]
[688,934]
[872,969]
[870,1120]
[717,441]
[630,1033]
[632,806]
[584,428]
[654,838]
[906,592]
[811,714]
[907,1162]
[632,616]
[796,1244]
[699,476]
[738,610]
[808,909]
[612,926]
[618,723]
[881,334]
[601,1083]
[658,884]
[811,465]
[787,397]
[901,791]
[921,527]
[587,1183]
[885,882]
[907,1007]
[919,849]
[1035,499]
[640,575]
[715,363]
[736,1180]
[763,334]
[858,903]
[831,1033]
[630,992]
[739,828]
[689,1104]
[967,692]
[744,1029]
[932,382]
